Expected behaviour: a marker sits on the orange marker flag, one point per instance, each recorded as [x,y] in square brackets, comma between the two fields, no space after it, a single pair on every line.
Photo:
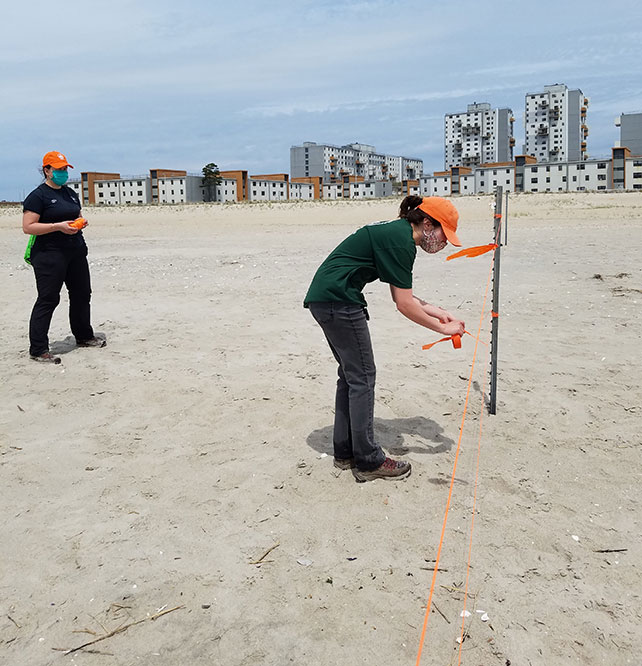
[473,251]
[455,338]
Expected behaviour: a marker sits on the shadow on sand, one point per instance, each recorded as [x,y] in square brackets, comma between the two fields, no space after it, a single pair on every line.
[390,434]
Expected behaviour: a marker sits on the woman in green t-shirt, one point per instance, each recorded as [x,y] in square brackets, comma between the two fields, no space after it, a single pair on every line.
[383,251]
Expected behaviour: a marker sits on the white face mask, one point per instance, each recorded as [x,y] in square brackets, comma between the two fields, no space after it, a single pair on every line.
[430,244]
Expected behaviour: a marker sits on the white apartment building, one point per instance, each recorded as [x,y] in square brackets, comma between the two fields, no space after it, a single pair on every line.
[479,135]
[226,191]
[302,191]
[332,163]
[352,189]
[263,189]
[555,124]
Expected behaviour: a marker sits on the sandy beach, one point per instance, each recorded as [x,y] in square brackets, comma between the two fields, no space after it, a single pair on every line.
[187,466]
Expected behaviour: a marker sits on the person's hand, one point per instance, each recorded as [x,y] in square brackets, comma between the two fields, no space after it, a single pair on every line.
[66,228]
[444,316]
[455,327]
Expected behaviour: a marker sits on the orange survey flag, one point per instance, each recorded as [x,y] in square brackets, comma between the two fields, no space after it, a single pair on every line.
[455,338]
[473,251]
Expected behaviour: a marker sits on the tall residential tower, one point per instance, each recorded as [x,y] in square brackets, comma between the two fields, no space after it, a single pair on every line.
[478,136]
[555,124]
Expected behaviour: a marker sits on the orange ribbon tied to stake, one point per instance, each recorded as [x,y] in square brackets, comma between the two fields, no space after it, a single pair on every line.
[473,251]
[455,338]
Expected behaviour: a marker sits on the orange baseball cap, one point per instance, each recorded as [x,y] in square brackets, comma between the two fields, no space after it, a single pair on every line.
[55,159]
[445,213]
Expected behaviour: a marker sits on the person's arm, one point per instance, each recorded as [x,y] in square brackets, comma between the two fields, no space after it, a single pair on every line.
[32,226]
[424,314]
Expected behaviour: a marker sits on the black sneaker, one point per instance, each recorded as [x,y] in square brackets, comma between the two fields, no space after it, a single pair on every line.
[92,342]
[46,357]
[391,469]
[344,463]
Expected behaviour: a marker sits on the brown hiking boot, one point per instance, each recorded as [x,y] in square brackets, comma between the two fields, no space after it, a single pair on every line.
[93,342]
[344,463]
[46,357]
[391,469]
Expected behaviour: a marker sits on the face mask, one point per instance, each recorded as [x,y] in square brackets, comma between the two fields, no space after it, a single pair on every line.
[431,244]
[59,176]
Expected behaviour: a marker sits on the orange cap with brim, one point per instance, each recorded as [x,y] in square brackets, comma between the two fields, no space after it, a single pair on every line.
[445,213]
[55,159]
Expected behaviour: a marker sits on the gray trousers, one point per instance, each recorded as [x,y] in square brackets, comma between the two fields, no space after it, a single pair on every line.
[345,327]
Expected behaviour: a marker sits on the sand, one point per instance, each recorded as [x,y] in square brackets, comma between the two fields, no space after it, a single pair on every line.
[157,472]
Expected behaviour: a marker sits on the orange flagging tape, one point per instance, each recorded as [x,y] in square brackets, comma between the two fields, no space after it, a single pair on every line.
[498,216]
[494,314]
[422,638]
[456,341]
[473,251]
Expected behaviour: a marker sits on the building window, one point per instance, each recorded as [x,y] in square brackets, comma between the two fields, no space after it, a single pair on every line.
[533,180]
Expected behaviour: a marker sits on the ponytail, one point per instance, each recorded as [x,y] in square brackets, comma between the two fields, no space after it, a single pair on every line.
[408,211]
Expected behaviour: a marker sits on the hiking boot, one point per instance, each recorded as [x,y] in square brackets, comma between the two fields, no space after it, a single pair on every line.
[46,357]
[391,469]
[344,463]
[92,342]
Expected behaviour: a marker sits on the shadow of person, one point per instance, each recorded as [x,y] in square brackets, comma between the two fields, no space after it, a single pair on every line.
[422,435]
[60,347]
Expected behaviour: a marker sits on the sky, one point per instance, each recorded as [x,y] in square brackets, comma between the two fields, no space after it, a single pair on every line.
[130,86]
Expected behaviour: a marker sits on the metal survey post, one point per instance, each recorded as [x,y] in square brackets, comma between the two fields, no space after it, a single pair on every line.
[494,331]
[506,220]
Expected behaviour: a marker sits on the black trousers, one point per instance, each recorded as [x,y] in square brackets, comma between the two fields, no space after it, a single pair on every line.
[53,268]
[345,326]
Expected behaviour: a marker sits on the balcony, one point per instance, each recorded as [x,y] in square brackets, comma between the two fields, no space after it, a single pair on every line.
[542,130]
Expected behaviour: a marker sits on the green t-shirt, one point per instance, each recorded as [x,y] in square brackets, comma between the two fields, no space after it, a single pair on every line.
[382,251]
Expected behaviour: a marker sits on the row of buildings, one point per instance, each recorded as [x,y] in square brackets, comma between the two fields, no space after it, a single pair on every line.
[172,186]
[479,156]
[622,171]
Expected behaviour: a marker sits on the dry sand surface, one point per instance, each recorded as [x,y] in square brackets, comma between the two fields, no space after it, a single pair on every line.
[157,472]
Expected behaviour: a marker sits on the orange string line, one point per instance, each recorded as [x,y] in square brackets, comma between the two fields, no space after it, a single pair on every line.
[472,526]
[452,479]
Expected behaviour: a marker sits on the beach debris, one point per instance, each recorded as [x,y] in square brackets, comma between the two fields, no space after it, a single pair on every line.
[265,554]
[20,408]
[464,613]
[611,550]
[575,537]
[301,464]
[434,605]
[351,559]
[119,630]
[484,617]
[206,606]
[304,563]
[323,455]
